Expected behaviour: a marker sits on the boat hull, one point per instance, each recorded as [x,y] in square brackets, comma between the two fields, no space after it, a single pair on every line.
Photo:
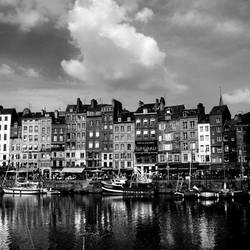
[208,195]
[19,191]
[112,188]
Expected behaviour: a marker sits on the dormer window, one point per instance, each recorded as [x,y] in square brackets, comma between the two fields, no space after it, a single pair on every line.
[129,119]
[119,119]
[145,111]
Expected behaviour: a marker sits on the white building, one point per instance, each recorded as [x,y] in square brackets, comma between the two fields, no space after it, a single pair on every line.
[5,127]
[204,143]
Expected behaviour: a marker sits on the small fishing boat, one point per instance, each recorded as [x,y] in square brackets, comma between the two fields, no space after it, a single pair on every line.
[208,195]
[115,186]
[27,187]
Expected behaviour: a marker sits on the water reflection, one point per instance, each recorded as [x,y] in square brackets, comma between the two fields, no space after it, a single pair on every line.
[96,222]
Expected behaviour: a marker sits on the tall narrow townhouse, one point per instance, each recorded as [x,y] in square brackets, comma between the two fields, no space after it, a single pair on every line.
[75,150]
[124,141]
[93,138]
[242,125]
[16,142]
[7,118]
[189,136]
[31,146]
[204,142]
[217,118]
[146,147]
[58,142]
[45,127]
[107,136]
[169,145]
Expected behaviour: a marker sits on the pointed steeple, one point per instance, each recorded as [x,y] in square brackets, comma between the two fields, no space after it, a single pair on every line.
[221,100]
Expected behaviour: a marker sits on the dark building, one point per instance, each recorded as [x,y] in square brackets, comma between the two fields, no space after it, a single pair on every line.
[106,135]
[146,147]
[93,138]
[218,116]
[58,135]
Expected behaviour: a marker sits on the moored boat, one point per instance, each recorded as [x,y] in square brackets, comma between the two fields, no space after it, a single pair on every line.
[27,187]
[208,195]
[115,186]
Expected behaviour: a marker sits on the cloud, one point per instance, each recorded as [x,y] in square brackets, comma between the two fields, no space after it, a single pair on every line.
[29,72]
[204,20]
[144,15]
[237,96]
[113,52]
[28,14]
[6,70]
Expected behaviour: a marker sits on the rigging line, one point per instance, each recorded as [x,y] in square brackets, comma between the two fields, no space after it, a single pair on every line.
[27,227]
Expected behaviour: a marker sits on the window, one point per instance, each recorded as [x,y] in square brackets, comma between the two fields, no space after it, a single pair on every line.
[122,128]
[105,156]
[30,129]
[206,128]
[129,146]
[145,133]
[97,134]
[116,146]
[218,129]
[116,138]
[116,128]
[192,134]
[152,132]
[5,137]
[219,139]
[185,146]
[97,144]
[5,127]
[185,135]
[138,123]
[138,133]
[91,134]
[184,125]
[202,138]
[192,124]
[145,122]
[152,121]
[201,128]
[6,118]
[129,129]
[4,147]
[36,128]
[217,120]
[207,148]
[90,144]
[185,157]
[207,138]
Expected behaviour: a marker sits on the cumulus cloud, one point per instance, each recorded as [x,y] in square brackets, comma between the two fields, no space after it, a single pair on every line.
[6,70]
[237,96]
[144,15]
[28,14]
[112,50]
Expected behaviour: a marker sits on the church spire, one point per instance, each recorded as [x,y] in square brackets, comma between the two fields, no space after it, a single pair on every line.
[221,100]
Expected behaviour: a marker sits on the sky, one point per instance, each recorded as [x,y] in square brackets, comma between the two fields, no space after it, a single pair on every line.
[53,51]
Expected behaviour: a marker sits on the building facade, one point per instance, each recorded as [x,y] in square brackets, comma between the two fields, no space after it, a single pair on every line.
[124,141]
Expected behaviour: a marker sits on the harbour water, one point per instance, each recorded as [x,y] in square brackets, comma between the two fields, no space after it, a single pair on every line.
[117,223]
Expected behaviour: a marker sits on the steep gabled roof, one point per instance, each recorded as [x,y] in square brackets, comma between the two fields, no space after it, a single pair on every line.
[219,110]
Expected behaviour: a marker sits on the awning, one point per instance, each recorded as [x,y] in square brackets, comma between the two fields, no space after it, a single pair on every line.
[73,170]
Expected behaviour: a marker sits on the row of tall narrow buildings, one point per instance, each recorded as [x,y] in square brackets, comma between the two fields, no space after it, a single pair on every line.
[107,136]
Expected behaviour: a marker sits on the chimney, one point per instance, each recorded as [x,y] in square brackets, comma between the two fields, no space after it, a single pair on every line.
[43,112]
[141,104]
[162,103]
[93,103]
[78,104]
[56,114]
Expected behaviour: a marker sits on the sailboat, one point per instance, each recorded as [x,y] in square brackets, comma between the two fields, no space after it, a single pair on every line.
[25,187]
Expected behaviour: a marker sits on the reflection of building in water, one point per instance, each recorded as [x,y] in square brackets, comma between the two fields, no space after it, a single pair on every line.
[4,232]
[207,233]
